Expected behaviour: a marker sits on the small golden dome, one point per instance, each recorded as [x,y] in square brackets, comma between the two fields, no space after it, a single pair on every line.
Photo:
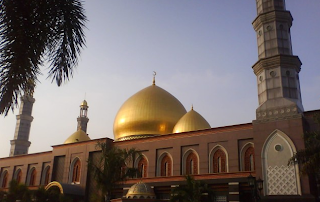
[140,190]
[78,136]
[84,103]
[191,121]
[151,111]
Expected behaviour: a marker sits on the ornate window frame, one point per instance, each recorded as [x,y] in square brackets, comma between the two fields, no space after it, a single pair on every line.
[213,150]
[136,165]
[71,171]
[184,161]
[4,178]
[159,164]
[242,155]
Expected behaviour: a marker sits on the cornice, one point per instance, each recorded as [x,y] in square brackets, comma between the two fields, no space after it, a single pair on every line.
[271,16]
[290,61]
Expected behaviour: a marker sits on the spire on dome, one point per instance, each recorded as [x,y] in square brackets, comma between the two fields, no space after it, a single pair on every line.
[154,78]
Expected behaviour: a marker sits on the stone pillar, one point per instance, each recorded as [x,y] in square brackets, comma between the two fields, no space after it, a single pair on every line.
[20,144]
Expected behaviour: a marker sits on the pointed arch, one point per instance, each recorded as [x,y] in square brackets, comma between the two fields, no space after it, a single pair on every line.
[190,162]
[75,171]
[276,151]
[18,175]
[45,178]
[32,176]
[218,160]
[4,179]
[142,164]
[247,158]
[165,165]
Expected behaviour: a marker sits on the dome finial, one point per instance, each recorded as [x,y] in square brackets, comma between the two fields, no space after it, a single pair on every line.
[154,78]
[191,107]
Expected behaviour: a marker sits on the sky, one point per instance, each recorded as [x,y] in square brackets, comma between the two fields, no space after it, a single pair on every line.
[202,51]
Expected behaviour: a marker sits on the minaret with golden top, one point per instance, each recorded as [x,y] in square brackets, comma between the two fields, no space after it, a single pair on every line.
[83,118]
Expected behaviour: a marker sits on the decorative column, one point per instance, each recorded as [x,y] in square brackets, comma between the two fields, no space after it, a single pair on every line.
[20,144]
[277,69]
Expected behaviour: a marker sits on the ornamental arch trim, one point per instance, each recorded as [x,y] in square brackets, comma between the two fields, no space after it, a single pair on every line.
[195,165]
[242,155]
[4,179]
[75,171]
[145,168]
[211,156]
[160,166]
[279,178]
[32,176]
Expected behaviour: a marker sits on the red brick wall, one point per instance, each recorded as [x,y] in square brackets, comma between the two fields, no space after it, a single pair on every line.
[166,160]
[191,157]
[219,154]
[247,163]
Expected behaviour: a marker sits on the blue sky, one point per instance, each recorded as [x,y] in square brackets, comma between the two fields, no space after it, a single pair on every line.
[202,51]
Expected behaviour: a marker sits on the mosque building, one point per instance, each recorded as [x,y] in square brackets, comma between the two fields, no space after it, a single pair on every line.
[175,142]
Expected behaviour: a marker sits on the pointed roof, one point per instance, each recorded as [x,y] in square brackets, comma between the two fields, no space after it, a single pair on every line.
[191,121]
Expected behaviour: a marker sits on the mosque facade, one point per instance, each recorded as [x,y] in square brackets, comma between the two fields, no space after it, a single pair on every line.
[175,143]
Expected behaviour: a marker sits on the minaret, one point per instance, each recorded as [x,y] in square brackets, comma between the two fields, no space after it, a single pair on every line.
[277,70]
[20,144]
[83,119]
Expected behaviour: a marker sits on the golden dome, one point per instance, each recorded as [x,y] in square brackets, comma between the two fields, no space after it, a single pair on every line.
[140,190]
[84,103]
[151,111]
[191,121]
[78,136]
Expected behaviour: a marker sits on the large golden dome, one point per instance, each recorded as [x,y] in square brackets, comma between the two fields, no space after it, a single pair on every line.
[191,121]
[151,111]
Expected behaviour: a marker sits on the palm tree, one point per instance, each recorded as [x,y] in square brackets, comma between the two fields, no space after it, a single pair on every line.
[18,192]
[32,31]
[113,166]
[309,158]
[193,191]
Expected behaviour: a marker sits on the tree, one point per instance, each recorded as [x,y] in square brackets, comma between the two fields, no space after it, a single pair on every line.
[32,31]
[193,191]
[18,192]
[113,167]
[309,158]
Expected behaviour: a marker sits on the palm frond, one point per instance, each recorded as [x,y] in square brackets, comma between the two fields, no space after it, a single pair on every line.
[31,30]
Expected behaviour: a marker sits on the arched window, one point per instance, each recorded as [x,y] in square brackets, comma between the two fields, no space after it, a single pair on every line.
[166,165]
[249,159]
[33,175]
[45,176]
[18,175]
[76,171]
[143,166]
[219,161]
[4,179]
[191,163]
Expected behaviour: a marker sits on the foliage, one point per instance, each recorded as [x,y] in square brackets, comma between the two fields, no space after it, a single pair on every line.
[32,31]
[21,192]
[309,158]
[18,192]
[192,191]
[114,166]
